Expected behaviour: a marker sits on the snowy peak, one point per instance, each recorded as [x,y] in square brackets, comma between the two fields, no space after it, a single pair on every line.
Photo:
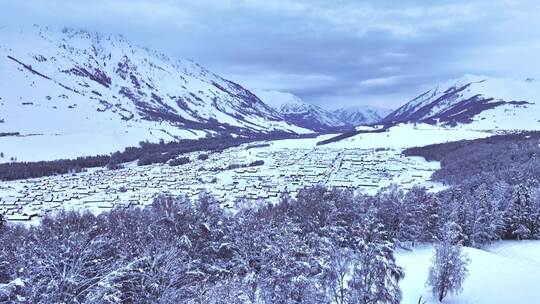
[310,116]
[484,102]
[278,99]
[88,82]
[300,113]
[361,115]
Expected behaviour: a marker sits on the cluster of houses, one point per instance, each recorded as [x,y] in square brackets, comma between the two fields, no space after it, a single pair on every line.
[285,170]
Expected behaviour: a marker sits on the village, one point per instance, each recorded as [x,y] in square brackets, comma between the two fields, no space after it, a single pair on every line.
[229,176]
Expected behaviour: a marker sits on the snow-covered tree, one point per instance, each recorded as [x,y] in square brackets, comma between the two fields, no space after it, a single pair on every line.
[2,223]
[412,214]
[338,274]
[486,220]
[431,218]
[449,265]
[388,205]
[230,290]
[376,275]
[522,219]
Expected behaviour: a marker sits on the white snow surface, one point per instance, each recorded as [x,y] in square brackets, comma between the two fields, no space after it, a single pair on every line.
[410,135]
[365,162]
[505,272]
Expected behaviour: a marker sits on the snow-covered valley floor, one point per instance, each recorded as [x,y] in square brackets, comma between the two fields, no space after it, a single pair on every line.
[505,272]
[365,162]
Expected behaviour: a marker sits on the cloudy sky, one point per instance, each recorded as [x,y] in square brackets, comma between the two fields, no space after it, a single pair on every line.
[331,53]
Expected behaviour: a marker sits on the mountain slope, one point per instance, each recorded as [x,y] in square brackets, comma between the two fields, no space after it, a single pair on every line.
[57,85]
[480,102]
[300,113]
[360,115]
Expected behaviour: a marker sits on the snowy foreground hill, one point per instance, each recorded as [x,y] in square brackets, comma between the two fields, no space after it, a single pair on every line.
[88,93]
[479,102]
[504,272]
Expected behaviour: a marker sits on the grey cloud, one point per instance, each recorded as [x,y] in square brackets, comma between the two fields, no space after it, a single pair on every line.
[330,53]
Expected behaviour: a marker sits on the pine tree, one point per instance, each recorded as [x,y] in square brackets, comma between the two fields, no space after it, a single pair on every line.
[389,202]
[486,219]
[522,219]
[431,213]
[411,215]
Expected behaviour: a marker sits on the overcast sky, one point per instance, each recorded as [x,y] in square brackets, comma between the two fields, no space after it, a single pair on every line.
[331,53]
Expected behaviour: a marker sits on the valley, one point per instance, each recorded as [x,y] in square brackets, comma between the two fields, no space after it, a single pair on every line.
[132,176]
[365,163]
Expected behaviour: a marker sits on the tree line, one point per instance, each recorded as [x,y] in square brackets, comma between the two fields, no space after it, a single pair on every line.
[511,159]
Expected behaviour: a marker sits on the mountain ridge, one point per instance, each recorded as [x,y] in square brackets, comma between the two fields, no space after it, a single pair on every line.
[478,101]
[136,82]
[72,93]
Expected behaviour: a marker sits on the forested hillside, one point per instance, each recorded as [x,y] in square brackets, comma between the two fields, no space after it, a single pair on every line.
[512,159]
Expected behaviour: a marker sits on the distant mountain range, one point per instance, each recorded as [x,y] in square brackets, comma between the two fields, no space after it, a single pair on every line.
[472,101]
[304,114]
[88,93]
[299,112]
[361,115]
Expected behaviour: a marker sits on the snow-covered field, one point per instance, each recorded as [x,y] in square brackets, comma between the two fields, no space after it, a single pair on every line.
[289,165]
[505,272]
[73,145]
[411,135]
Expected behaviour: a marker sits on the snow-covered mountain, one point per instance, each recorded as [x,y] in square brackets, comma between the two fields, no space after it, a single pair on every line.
[56,86]
[361,115]
[301,113]
[476,101]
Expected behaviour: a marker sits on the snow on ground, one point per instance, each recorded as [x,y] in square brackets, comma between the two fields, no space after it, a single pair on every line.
[409,135]
[302,143]
[525,251]
[73,145]
[398,137]
[366,163]
[369,128]
[505,272]
[289,165]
